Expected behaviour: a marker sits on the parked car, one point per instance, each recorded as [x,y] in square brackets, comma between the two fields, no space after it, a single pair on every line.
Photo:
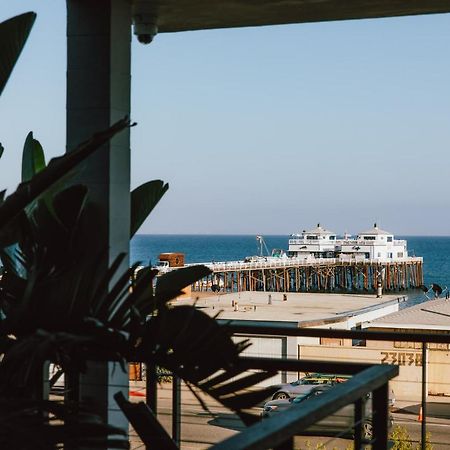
[288,390]
[341,422]
[301,386]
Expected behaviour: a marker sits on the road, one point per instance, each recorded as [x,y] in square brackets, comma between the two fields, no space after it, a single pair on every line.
[201,429]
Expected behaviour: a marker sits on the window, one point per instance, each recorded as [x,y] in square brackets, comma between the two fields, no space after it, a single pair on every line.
[389,238]
[331,341]
[369,238]
[379,254]
[313,238]
[400,255]
[332,238]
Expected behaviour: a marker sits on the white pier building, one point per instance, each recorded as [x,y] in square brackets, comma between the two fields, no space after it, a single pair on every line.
[374,244]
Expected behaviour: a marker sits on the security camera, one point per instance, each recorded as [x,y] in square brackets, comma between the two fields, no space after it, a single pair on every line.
[145,31]
[144,21]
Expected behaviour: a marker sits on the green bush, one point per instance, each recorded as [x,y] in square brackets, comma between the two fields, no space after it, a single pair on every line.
[401,440]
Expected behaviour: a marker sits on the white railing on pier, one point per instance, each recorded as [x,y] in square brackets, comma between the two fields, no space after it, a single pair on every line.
[279,263]
[339,242]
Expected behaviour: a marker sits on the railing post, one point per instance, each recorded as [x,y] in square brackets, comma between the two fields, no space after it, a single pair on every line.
[176,409]
[151,380]
[359,417]
[380,416]
[424,395]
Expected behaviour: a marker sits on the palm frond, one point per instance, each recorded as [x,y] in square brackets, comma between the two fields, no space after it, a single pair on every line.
[196,348]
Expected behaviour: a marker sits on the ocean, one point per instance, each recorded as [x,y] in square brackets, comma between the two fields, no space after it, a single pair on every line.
[206,248]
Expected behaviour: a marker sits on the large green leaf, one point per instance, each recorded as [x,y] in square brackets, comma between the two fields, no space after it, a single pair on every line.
[13,35]
[171,284]
[33,159]
[55,171]
[143,199]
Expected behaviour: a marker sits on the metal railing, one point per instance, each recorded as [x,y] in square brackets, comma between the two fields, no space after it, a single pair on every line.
[280,431]
[367,378]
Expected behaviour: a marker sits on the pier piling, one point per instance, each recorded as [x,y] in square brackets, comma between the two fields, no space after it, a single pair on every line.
[325,275]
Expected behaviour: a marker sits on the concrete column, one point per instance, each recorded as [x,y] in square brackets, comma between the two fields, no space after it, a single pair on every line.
[98,94]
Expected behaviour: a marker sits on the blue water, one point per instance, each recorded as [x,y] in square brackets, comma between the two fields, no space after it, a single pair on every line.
[205,248]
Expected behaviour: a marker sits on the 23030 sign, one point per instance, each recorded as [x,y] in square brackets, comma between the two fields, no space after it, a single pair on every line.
[401,358]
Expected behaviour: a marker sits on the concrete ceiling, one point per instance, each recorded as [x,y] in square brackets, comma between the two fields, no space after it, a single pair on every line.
[184,15]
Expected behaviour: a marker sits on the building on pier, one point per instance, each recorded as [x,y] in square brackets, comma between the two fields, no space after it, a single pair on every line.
[374,244]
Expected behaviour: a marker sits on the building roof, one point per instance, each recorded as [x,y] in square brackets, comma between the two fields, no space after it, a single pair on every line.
[375,231]
[319,231]
[184,15]
[429,315]
[300,309]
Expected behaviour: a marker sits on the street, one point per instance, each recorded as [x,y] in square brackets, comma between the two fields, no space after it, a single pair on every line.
[201,429]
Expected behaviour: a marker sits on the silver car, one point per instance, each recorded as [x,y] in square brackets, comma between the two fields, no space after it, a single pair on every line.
[340,422]
[302,386]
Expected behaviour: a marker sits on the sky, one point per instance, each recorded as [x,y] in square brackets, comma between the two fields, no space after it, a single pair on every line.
[266,130]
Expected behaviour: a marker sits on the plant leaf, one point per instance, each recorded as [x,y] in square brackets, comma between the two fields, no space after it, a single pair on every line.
[13,35]
[56,169]
[171,284]
[33,159]
[143,199]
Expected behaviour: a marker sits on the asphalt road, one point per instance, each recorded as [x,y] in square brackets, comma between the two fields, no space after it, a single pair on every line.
[201,429]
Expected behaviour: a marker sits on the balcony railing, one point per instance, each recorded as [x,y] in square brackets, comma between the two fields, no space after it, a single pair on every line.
[367,378]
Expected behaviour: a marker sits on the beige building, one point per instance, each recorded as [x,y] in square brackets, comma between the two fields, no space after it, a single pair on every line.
[431,316]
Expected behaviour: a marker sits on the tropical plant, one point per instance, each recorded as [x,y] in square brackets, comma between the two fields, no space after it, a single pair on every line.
[56,307]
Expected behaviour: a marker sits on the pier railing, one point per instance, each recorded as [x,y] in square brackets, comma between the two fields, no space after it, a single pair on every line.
[343,241]
[277,263]
[279,432]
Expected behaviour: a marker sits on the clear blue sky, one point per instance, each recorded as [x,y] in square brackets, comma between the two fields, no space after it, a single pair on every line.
[266,130]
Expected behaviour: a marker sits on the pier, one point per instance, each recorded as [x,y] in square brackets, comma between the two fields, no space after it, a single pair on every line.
[314,275]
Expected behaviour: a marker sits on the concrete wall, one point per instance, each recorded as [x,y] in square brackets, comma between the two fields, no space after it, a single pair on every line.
[407,386]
